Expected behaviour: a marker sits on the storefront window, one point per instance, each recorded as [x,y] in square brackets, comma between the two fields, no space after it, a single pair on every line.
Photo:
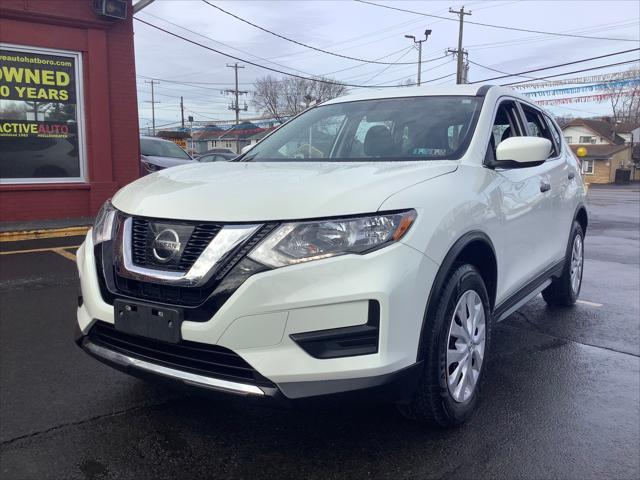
[41,121]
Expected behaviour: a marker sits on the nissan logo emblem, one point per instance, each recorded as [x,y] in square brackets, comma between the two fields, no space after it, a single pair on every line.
[166,245]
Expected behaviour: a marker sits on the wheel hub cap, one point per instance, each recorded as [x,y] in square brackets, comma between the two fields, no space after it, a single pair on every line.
[465,347]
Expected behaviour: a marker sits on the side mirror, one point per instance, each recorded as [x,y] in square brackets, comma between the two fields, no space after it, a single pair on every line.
[521,152]
[245,149]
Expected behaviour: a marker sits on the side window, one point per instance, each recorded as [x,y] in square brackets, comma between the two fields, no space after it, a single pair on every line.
[505,125]
[538,127]
[555,133]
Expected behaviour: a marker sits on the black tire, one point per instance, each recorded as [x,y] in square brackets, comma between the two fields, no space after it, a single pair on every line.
[432,402]
[560,292]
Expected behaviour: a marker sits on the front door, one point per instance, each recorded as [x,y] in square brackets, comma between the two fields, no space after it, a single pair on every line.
[522,210]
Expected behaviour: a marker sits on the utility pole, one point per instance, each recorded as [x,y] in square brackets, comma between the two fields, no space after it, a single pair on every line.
[153,105]
[182,111]
[236,106]
[465,68]
[460,52]
[419,44]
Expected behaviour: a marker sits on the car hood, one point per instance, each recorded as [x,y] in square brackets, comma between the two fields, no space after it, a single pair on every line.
[247,191]
[165,162]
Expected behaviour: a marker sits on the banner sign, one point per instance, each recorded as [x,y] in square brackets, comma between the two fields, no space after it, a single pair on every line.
[584,99]
[37,77]
[606,77]
[39,129]
[585,88]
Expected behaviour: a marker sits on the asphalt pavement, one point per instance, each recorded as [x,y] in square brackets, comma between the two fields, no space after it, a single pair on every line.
[561,397]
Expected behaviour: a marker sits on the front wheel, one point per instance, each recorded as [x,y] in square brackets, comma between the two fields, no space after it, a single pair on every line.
[457,341]
[565,289]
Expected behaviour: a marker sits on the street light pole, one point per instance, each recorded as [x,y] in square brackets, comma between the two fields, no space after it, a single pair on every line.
[419,44]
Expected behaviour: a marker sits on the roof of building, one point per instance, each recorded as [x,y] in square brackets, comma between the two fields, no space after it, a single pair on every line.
[208,133]
[599,152]
[242,131]
[626,127]
[601,127]
[173,134]
[261,135]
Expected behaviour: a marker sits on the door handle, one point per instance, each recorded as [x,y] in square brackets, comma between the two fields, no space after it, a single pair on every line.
[545,186]
[571,175]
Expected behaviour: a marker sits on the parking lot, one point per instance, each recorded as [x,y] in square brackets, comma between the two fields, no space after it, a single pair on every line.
[561,396]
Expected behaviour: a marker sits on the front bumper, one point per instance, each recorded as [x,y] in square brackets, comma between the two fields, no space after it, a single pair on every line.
[394,387]
[259,320]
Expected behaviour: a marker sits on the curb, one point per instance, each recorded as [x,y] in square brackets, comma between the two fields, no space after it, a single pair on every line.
[47,233]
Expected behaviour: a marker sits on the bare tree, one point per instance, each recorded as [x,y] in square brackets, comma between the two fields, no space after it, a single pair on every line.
[290,96]
[267,97]
[625,98]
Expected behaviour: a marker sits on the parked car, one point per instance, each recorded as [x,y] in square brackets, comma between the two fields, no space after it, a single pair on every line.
[158,154]
[373,262]
[216,157]
[218,150]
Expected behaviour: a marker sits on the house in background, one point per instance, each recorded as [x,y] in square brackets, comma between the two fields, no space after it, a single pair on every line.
[237,137]
[205,139]
[255,138]
[609,148]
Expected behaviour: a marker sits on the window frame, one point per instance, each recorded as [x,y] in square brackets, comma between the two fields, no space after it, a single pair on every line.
[580,142]
[587,161]
[515,116]
[81,120]
[555,154]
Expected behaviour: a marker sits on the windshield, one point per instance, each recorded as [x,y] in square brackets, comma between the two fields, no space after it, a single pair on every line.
[412,128]
[161,148]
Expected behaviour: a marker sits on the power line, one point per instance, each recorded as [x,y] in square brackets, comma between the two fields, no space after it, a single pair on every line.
[570,73]
[503,27]
[300,43]
[543,38]
[558,65]
[501,71]
[406,51]
[225,44]
[321,80]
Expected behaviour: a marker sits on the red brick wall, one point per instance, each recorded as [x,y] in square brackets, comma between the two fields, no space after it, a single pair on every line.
[110,103]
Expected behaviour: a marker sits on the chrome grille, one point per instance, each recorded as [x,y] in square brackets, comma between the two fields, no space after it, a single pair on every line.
[194,236]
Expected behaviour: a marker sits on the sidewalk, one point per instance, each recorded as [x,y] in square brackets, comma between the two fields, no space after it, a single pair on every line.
[29,230]
[629,187]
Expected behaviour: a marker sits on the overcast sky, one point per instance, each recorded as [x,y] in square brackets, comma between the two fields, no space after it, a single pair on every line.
[367,32]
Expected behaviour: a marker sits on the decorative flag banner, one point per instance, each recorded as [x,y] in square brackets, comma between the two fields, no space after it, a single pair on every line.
[579,80]
[585,88]
[584,99]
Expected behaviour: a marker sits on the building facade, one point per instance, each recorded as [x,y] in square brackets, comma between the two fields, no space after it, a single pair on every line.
[607,149]
[68,107]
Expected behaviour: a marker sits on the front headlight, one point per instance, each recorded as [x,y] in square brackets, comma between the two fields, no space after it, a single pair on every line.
[103,226]
[299,242]
[150,167]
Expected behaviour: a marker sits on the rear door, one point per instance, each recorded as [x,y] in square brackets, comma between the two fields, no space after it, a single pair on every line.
[554,180]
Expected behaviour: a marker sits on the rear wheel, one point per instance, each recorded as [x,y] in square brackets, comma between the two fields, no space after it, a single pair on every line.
[457,341]
[565,289]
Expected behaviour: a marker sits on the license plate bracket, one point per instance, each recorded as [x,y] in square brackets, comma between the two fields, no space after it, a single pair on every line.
[147,320]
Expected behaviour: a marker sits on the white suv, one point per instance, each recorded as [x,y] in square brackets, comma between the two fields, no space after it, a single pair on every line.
[365,247]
